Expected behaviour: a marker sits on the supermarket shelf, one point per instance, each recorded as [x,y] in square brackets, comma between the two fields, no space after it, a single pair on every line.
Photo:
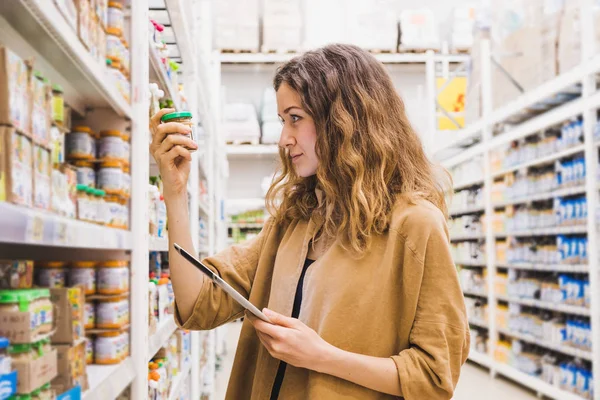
[470,263]
[159,73]
[164,330]
[203,207]
[479,322]
[467,184]
[480,358]
[575,269]
[393,58]
[560,230]
[159,244]
[572,191]
[252,150]
[44,28]
[21,225]
[108,381]
[178,381]
[467,210]
[533,382]
[564,308]
[247,225]
[475,293]
[460,238]
[563,349]
[542,160]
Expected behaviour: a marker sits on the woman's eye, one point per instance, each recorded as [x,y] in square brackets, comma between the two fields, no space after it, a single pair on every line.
[295,118]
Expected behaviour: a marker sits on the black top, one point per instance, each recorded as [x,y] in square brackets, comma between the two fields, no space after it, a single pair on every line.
[295,312]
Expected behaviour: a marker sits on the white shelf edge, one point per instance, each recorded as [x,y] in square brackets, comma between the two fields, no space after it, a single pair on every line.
[159,243]
[564,308]
[22,225]
[108,381]
[547,267]
[461,238]
[252,150]
[178,381]
[541,160]
[533,382]
[479,323]
[164,330]
[467,210]
[572,191]
[560,230]
[164,82]
[480,358]
[390,58]
[564,349]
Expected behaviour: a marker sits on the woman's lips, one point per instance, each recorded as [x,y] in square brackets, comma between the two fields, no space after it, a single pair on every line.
[296,157]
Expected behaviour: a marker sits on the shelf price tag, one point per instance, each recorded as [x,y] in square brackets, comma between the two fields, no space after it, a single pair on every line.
[61,236]
[35,229]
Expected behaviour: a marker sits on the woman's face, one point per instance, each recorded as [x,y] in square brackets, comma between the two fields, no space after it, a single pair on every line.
[299,134]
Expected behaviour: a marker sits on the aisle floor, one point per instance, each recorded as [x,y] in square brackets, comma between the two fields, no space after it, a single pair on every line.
[473,382]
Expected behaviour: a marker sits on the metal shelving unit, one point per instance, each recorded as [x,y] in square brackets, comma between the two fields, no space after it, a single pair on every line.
[516,125]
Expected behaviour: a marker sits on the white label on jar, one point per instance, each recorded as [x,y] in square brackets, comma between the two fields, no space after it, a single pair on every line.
[51,277]
[113,279]
[110,147]
[115,18]
[113,43]
[108,313]
[106,348]
[89,315]
[126,183]
[80,144]
[126,150]
[86,176]
[110,179]
[83,276]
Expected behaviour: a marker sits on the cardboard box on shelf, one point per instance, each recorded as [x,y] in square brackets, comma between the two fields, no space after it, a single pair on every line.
[71,365]
[40,95]
[35,373]
[282,25]
[69,305]
[42,177]
[14,93]
[325,23]
[418,30]
[16,274]
[18,166]
[373,25]
[237,25]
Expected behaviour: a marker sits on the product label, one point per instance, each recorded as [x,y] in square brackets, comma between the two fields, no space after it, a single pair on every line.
[79,144]
[110,179]
[51,277]
[86,176]
[85,277]
[113,280]
[111,147]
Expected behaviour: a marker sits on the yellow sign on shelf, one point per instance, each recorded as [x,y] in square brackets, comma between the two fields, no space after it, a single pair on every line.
[452,99]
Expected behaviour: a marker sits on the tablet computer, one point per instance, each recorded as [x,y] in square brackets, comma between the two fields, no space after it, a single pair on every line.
[221,283]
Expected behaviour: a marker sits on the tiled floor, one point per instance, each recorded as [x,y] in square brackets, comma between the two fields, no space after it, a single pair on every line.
[475,382]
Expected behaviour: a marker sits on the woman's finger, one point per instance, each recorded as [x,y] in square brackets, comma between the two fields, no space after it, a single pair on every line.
[163,131]
[175,152]
[264,327]
[155,120]
[175,140]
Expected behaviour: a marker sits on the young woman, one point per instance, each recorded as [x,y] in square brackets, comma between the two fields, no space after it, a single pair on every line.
[354,266]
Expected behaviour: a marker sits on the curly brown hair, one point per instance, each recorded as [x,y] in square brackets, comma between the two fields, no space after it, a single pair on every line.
[368,152]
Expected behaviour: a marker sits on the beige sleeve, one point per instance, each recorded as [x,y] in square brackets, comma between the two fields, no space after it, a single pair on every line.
[237,266]
[439,338]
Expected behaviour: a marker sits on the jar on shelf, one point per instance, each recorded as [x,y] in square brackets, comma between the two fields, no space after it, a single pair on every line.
[52,274]
[115,74]
[58,104]
[110,145]
[106,348]
[112,277]
[89,315]
[126,147]
[86,174]
[92,204]
[45,309]
[124,213]
[110,177]
[182,117]
[83,203]
[126,181]
[101,213]
[83,273]
[21,301]
[112,313]
[115,16]
[89,349]
[125,60]
[113,210]
[80,144]
[113,44]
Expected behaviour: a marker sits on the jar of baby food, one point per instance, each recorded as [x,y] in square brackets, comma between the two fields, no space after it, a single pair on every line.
[80,143]
[45,307]
[113,44]
[5,360]
[46,392]
[21,301]
[106,348]
[92,203]
[58,104]
[111,314]
[124,216]
[110,146]
[126,181]
[89,315]
[110,177]
[112,277]
[83,273]
[42,347]
[89,350]
[113,209]
[126,147]
[101,216]
[114,71]
[83,203]
[52,274]
[183,117]
[115,16]
[86,174]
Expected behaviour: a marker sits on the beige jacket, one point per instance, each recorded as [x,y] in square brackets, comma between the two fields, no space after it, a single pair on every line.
[402,300]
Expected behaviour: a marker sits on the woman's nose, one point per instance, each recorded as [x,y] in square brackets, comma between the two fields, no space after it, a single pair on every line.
[286,139]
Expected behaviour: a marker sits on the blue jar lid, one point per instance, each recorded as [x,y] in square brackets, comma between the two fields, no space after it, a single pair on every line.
[4,343]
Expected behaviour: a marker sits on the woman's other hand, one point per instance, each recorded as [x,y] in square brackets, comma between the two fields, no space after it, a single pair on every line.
[291,341]
[168,147]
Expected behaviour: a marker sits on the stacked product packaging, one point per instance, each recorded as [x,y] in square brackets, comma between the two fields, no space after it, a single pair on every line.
[160,291]
[167,367]
[241,123]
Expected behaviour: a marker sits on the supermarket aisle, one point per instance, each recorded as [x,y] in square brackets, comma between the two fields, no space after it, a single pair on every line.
[474,380]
